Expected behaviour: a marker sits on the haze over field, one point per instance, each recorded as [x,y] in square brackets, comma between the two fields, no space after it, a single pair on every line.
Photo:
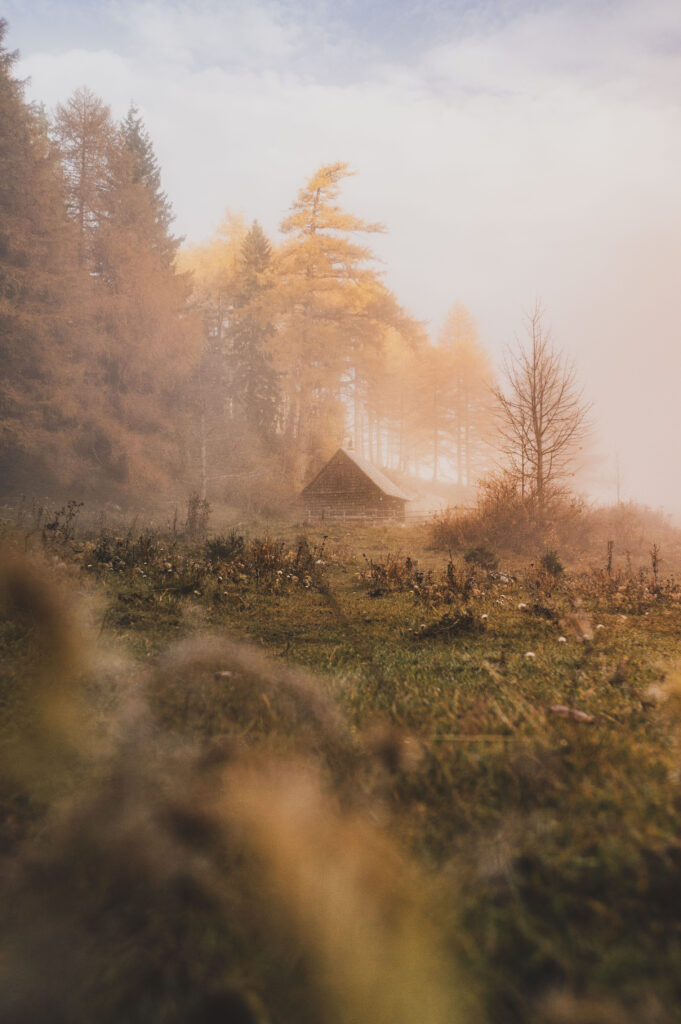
[340,511]
[513,151]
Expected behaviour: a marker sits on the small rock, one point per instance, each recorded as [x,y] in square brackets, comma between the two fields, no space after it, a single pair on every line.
[565,712]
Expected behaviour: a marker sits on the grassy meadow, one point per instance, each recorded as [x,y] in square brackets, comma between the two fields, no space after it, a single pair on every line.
[292,773]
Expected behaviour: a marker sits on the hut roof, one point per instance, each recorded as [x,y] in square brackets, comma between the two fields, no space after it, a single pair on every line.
[374,474]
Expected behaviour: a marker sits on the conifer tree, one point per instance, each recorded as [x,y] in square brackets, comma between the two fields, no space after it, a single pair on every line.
[146,171]
[323,286]
[434,383]
[381,342]
[455,417]
[471,416]
[38,304]
[254,381]
[213,268]
[85,134]
[147,342]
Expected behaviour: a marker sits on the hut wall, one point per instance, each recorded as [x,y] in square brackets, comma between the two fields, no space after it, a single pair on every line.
[343,491]
[349,504]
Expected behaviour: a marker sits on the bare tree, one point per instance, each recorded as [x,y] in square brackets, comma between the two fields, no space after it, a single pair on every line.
[543,417]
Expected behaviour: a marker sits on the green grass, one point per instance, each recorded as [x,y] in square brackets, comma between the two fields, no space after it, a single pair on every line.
[555,843]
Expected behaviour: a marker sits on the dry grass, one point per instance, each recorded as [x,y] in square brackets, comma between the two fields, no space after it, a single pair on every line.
[203,873]
[465,808]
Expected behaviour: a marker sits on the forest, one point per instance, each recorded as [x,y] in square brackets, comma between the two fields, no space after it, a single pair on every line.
[259,768]
[233,366]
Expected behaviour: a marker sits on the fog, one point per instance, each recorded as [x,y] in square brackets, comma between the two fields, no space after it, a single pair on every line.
[340,511]
[514,152]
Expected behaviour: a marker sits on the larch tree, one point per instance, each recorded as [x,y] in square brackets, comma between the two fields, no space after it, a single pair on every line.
[38,298]
[254,381]
[543,417]
[376,330]
[322,281]
[471,414]
[391,402]
[85,134]
[147,341]
[213,269]
[434,384]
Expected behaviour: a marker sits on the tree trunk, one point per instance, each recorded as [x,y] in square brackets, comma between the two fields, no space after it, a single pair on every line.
[436,434]
[204,458]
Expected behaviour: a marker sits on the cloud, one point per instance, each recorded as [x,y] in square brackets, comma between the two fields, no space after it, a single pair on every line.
[623,47]
[211,34]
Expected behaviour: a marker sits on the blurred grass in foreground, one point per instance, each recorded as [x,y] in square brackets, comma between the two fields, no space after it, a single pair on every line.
[422,830]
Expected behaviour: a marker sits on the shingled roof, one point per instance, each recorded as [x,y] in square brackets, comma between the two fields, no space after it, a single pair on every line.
[374,474]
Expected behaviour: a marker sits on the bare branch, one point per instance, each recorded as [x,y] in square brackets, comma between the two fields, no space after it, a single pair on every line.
[542,413]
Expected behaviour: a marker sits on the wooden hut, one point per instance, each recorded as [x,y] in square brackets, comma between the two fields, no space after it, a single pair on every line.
[349,486]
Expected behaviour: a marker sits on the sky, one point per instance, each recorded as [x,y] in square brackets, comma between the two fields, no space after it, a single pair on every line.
[516,151]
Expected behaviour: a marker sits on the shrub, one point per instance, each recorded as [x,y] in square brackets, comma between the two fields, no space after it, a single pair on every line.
[501,519]
[481,556]
[62,526]
[224,549]
[551,563]
[506,520]
[103,550]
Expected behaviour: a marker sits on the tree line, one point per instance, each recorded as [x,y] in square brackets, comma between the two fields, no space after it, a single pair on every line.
[96,335]
[305,348]
[135,364]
